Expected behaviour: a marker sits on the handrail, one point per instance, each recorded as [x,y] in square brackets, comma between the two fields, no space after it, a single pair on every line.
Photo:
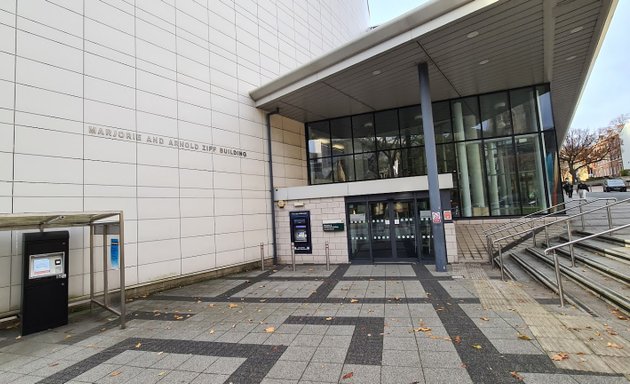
[570,243]
[556,212]
[489,243]
[544,226]
[520,219]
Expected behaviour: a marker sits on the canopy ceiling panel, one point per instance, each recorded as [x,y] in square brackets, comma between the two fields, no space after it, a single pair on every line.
[485,46]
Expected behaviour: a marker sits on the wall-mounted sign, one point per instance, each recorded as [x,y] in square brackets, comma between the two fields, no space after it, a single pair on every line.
[164,141]
[113,254]
[448,215]
[436,217]
[333,225]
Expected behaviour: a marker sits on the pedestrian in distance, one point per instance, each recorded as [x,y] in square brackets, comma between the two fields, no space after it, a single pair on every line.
[582,189]
[568,188]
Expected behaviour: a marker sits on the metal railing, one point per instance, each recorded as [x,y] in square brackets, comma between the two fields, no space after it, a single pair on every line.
[569,243]
[531,221]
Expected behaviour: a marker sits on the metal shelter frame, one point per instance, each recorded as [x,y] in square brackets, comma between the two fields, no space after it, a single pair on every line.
[98,223]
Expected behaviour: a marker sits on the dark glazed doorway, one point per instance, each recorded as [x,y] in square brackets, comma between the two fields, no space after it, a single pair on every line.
[389,228]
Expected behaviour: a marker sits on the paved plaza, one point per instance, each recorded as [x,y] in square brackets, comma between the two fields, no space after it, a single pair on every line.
[401,323]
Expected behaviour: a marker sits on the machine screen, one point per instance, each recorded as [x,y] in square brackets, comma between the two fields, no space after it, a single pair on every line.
[41,266]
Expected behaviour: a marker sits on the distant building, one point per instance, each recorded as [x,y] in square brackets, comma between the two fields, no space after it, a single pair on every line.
[612,165]
[624,143]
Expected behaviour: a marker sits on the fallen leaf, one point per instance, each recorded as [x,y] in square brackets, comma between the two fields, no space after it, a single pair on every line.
[198,301]
[68,336]
[476,346]
[347,375]
[262,301]
[611,332]
[18,338]
[614,345]
[329,318]
[210,305]
[270,329]
[580,353]
[53,364]
[619,315]
[485,319]
[560,356]
[115,373]
[162,373]
[211,331]
[138,345]
[422,329]
[524,337]
[516,376]
[159,353]
[457,339]
[354,300]
[232,305]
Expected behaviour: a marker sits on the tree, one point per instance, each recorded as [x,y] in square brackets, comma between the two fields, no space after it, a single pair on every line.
[580,150]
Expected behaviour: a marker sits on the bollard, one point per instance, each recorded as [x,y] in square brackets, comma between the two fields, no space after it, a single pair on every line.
[293,255]
[262,257]
[327,257]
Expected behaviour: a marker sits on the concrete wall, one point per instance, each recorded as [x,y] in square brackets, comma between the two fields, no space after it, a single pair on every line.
[110,104]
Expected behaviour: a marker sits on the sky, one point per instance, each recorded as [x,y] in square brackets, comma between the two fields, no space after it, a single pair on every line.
[607,91]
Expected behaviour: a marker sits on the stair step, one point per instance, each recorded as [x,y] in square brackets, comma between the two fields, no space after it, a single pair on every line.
[545,275]
[606,266]
[619,254]
[590,281]
[607,238]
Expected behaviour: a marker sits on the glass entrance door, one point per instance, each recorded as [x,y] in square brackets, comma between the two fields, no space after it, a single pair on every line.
[404,237]
[390,229]
[425,235]
[380,228]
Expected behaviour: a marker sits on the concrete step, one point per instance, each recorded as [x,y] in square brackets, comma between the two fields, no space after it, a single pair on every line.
[608,289]
[606,266]
[539,271]
[602,248]
[611,239]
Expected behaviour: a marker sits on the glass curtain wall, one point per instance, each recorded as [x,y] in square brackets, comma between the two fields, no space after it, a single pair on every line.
[499,147]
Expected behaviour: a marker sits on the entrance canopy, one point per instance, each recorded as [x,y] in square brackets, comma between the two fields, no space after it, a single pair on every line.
[471,46]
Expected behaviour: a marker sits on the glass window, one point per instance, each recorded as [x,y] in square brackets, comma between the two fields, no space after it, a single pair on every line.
[363,128]
[502,177]
[466,124]
[530,173]
[446,158]
[524,117]
[386,126]
[341,134]
[413,162]
[343,168]
[411,126]
[365,165]
[495,115]
[389,164]
[442,122]
[544,106]
[321,170]
[318,140]
[471,174]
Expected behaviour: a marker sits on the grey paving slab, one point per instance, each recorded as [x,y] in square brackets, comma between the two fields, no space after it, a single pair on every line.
[280,289]
[287,370]
[322,372]
[446,376]
[545,378]
[306,271]
[354,373]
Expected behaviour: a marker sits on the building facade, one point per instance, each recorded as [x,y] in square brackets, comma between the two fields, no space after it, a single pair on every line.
[144,106]
[219,125]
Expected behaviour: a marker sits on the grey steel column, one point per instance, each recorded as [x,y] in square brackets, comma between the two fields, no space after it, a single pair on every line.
[439,242]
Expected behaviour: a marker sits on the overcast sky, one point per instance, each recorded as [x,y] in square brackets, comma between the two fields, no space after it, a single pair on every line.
[607,92]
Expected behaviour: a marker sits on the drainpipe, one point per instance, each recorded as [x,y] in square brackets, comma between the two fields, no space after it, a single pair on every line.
[271,187]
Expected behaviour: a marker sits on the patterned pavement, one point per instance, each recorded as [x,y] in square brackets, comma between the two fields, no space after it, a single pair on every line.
[398,323]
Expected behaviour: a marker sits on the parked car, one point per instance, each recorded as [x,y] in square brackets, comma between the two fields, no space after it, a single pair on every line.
[614,185]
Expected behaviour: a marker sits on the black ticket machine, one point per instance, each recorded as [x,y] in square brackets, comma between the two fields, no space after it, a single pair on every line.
[45,287]
[301,231]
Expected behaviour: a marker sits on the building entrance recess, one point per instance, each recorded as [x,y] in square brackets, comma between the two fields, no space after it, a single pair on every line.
[390,228]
